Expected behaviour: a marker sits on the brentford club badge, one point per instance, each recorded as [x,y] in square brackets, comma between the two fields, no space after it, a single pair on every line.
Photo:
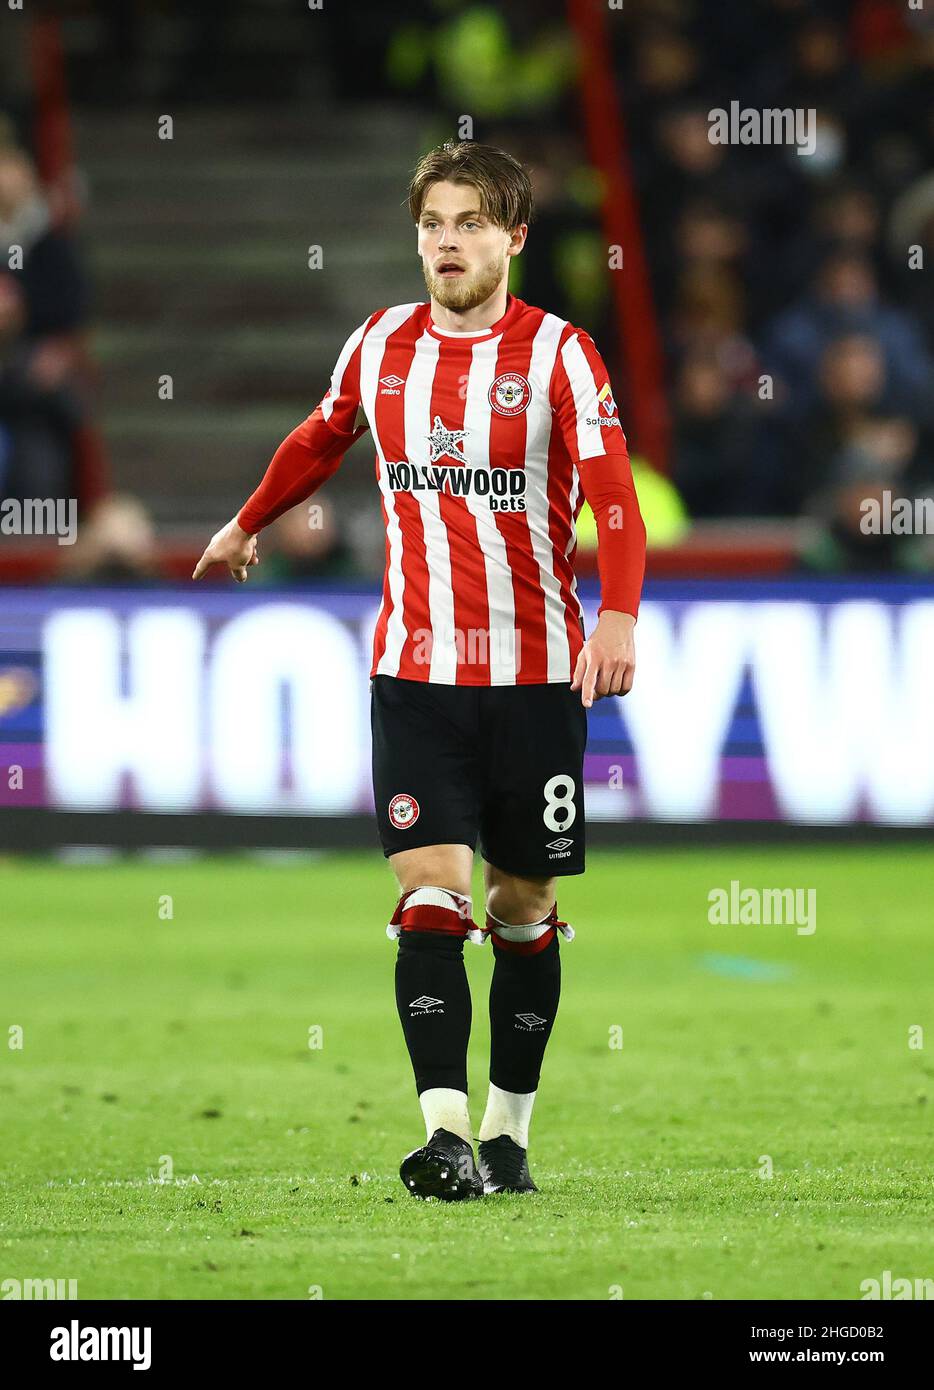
[510,394]
[403,810]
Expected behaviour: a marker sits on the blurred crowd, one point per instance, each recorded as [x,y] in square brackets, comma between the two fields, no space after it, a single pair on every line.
[43,312]
[793,291]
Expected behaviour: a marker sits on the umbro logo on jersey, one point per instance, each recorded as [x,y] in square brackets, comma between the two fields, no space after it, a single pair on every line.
[425,1004]
[530,1023]
[561,843]
[390,385]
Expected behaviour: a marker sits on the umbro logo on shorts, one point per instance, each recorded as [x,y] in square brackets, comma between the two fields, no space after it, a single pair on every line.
[560,848]
[530,1023]
[424,1004]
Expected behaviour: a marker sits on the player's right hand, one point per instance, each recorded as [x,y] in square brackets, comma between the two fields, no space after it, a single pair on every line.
[231,547]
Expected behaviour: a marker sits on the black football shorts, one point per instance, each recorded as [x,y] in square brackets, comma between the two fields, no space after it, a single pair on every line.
[504,764]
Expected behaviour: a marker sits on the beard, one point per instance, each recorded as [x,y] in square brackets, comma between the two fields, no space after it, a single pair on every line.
[472,289]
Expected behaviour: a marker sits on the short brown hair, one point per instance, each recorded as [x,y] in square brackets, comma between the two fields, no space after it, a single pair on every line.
[503,185]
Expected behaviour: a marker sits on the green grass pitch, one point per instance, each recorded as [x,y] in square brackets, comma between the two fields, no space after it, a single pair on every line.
[149,1042]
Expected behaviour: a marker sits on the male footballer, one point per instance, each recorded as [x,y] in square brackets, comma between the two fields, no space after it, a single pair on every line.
[492,421]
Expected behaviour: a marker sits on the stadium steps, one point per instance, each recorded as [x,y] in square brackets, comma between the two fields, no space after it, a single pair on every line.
[198,252]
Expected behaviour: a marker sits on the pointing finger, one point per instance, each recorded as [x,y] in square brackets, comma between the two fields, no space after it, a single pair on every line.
[590,681]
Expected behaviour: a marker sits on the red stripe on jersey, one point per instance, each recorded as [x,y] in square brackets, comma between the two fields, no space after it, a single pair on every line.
[382,623]
[345,403]
[468,570]
[398,351]
[508,435]
[560,482]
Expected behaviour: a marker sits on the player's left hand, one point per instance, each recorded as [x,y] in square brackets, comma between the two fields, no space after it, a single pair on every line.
[607,662]
[232,547]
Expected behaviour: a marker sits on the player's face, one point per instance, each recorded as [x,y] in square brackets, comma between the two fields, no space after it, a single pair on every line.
[465,256]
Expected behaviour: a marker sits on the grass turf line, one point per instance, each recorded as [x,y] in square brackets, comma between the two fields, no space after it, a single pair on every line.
[186,1040]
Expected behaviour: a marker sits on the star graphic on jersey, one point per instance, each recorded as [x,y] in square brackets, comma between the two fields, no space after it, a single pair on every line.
[444,442]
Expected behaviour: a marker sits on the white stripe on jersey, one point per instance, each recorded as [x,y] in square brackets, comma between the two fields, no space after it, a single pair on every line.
[580,375]
[371,355]
[544,354]
[575,489]
[340,367]
[417,426]
[500,597]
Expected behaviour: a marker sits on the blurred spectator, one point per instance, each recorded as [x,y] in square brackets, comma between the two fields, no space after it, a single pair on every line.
[850,419]
[821,73]
[723,461]
[52,282]
[43,305]
[845,300]
[710,233]
[847,215]
[666,64]
[305,543]
[116,545]
[708,318]
[878,461]
[910,236]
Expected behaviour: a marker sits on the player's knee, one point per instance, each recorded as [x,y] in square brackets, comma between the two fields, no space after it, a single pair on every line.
[449,866]
[522,917]
[520,901]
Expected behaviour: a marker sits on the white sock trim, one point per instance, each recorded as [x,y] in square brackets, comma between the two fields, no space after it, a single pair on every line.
[530,932]
[508,1112]
[431,896]
[437,897]
[444,1108]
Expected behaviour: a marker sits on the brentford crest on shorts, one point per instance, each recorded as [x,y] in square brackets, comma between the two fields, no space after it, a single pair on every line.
[403,811]
[478,438]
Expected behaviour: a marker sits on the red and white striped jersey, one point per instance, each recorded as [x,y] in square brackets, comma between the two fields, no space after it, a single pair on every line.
[478,440]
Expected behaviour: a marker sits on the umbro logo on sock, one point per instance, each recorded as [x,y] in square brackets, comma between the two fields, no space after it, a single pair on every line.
[424,1004]
[530,1023]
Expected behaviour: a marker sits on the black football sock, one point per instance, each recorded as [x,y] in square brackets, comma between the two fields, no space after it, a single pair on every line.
[433,999]
[524,998]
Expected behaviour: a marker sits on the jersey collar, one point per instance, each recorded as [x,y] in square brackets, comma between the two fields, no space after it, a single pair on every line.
[513,307]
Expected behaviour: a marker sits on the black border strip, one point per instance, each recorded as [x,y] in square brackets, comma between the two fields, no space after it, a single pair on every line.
[36,829]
